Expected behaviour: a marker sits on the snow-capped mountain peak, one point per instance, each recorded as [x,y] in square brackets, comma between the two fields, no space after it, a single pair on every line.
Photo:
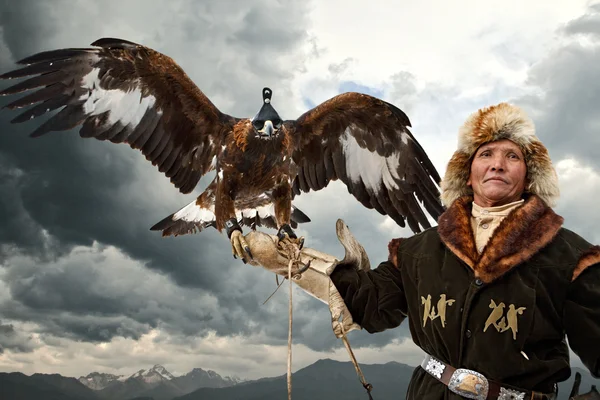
[98,380]
[162,371]
[213,377]
[137,374]
[155,374]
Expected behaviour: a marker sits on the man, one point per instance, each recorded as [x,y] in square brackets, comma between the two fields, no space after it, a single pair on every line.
[493,289]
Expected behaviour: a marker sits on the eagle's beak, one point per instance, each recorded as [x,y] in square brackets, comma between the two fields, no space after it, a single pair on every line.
[268,128]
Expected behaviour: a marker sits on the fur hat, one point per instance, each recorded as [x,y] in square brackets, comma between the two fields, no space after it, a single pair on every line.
[502,121]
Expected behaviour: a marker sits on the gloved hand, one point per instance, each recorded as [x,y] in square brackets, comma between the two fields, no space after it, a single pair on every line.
[315,280]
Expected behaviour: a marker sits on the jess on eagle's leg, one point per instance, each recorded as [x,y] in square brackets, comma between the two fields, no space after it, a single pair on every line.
[286,240]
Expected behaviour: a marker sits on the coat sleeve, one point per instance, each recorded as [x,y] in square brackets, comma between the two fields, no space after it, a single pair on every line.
[582,311]
[375,298]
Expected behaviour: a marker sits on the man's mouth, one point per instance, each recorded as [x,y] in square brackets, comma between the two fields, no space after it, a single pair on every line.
[495,179]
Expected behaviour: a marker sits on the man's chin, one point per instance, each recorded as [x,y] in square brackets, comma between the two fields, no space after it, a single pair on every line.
[494,198]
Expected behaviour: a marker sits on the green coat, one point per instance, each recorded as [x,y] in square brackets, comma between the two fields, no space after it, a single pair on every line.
[533,283]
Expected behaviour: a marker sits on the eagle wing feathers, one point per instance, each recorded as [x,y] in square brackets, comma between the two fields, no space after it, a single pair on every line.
[125,93]
[365,142]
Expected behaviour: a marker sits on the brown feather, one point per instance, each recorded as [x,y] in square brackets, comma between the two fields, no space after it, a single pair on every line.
[181,118]
[327,137]
[240,131]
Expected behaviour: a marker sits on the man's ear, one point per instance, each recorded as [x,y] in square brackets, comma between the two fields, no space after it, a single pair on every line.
[469,182]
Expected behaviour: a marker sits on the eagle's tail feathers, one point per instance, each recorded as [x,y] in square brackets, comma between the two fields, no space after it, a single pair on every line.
[298,216]
[195,218]
[265,216]
[190,219]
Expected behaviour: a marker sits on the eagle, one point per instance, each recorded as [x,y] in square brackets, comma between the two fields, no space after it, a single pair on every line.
[125,92]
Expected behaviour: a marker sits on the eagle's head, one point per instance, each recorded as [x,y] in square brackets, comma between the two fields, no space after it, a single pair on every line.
[267,122]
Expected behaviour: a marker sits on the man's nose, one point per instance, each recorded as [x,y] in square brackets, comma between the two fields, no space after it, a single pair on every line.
[498,163]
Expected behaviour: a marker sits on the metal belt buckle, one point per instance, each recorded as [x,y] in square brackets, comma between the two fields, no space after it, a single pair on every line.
[469,384]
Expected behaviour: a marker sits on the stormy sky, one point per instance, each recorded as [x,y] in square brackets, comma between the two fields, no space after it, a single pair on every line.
[85,286]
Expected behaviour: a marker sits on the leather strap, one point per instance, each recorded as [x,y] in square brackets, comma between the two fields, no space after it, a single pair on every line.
[232,225]
[496,391]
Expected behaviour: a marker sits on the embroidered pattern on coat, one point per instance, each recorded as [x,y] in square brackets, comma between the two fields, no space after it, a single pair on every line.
[438,311]
[503,322]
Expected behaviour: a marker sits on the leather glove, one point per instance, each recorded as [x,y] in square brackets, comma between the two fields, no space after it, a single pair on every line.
[314,280]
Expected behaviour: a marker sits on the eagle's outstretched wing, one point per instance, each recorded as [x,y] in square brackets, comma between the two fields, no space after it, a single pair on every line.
[365,142]
[126,93]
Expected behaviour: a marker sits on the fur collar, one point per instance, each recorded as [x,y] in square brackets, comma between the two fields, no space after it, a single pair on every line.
[519,236]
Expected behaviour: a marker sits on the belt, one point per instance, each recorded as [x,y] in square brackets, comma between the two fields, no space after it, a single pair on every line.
[473,385]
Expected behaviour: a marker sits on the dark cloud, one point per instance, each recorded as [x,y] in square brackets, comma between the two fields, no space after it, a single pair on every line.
[27,24]
[565,109]
[588,24]
[5,56]
[18,228]
[95,294]
[14,340]
[64,192]
[279,34]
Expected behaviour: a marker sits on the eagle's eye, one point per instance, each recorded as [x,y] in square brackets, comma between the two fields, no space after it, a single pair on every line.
[258,124]
[277,123]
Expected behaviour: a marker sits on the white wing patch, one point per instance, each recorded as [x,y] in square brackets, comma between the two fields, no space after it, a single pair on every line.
[266,211]
[370,168]
[127,108]
[194,213]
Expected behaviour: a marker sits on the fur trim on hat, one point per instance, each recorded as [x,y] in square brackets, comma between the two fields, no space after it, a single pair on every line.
[502,121]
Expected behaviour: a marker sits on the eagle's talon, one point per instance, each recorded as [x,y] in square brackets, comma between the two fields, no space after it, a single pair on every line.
[239,247]
[249,252]
[303,268]
[280,236]
[286,230]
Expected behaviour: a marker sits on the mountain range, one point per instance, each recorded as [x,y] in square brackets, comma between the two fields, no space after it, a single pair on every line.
[155,383]
[325,379]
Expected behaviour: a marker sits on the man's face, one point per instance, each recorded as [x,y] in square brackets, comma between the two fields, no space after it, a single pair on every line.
[498,174]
